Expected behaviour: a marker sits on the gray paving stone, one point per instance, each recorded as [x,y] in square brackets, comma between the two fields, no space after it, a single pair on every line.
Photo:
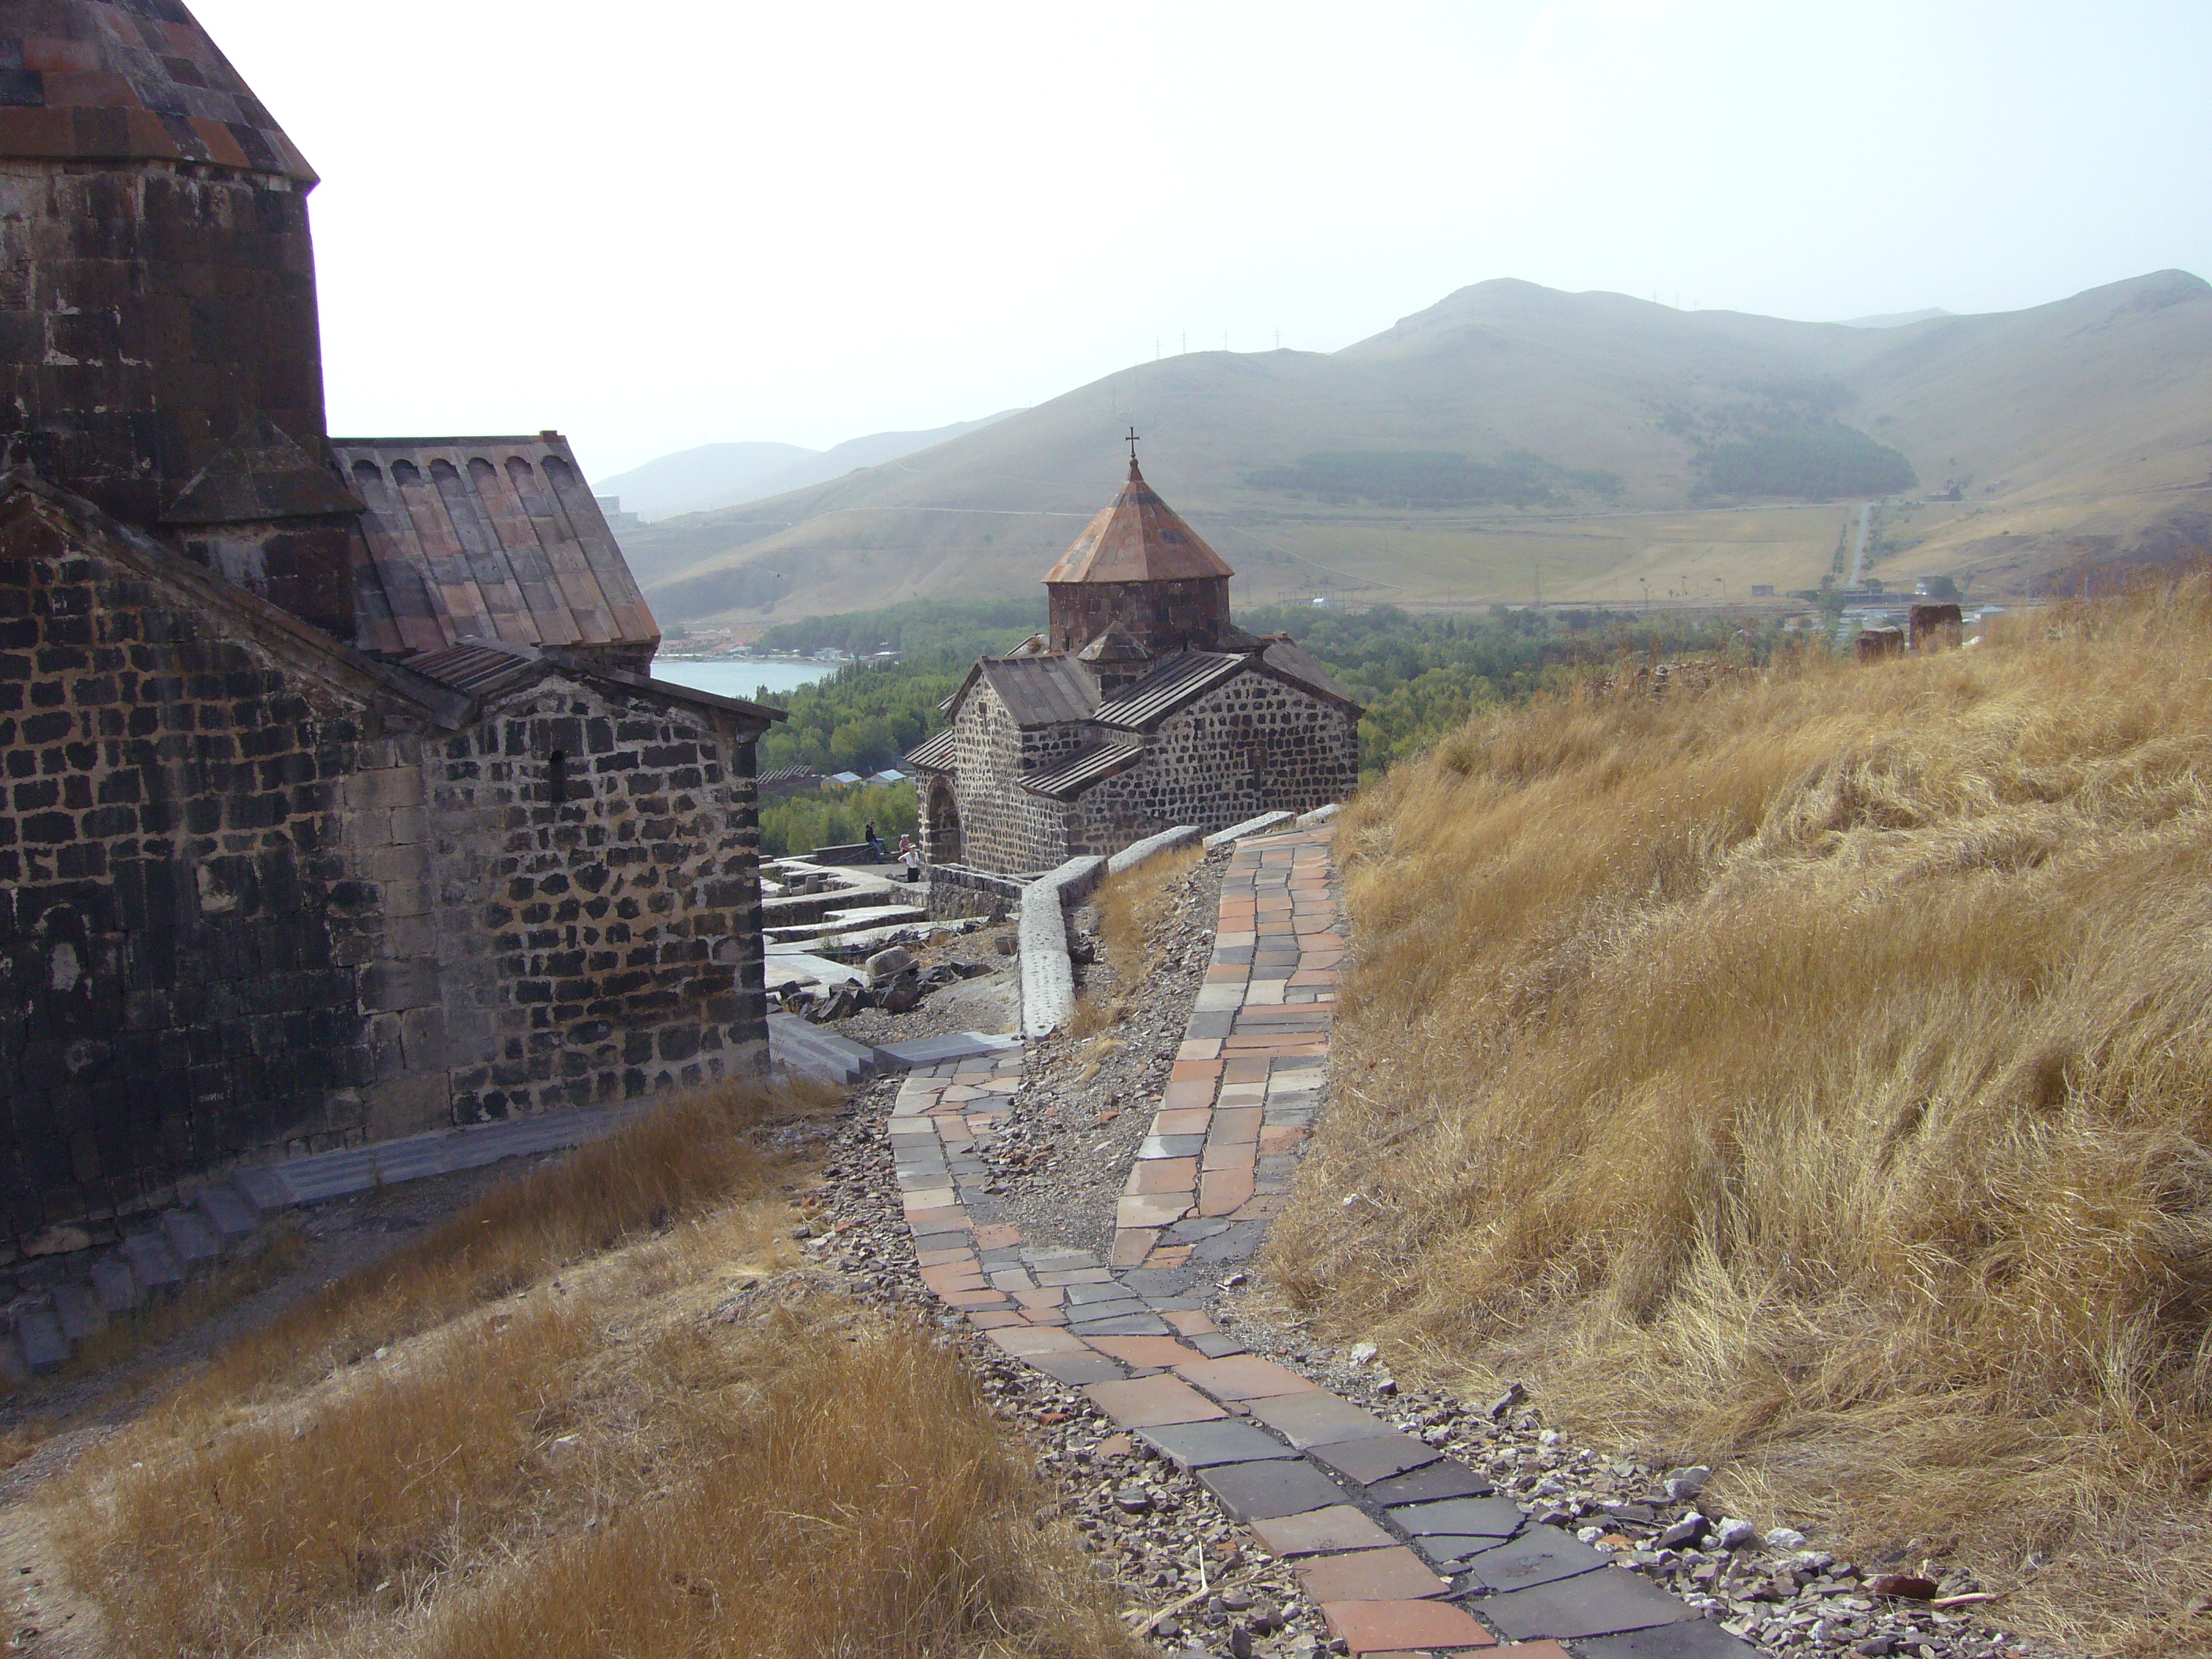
[1441,1479]
[1215,1345]
[1475,1517]
[1372,1457]
[1698,1639]
[1105,1291]
[1258,1491]
[1241,1239]
[39,1334]
[933,1051]
[1072,1275]
[1192,1228]
[1172,1146]
[1589,1604]
[1160,1281]
[1450,1552]
[152,1261]
[1076,1369]
[1315,1417]
[1204,1445]
[118,1288]
[1128,1325]
[1539,1556]
[1175,1304]
[77,1307]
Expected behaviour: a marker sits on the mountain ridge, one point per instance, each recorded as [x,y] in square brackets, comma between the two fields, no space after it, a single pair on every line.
[2081,428]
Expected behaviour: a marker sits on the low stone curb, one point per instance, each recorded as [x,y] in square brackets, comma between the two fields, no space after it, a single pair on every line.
[1151,847]
[1236,832]
[1401,1547]
[1048,977]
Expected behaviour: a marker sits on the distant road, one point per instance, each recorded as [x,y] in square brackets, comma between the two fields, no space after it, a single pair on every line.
[1859,553]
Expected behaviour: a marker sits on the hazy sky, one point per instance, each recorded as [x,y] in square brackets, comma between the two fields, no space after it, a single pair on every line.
[656,226]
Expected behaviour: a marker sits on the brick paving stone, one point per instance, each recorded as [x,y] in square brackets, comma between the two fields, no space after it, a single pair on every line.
[1315,1419]
[1589,1604]
[1392,1575]
[1133,1244]
[1155,1350]
[1445,1478]
[1024,1342]
[1474,1517]
[1224,1192]
[1698,1639]
[1244,1376]
[1162,1174]
[1257,1491]
[1188,1122]
[1148,1401]
[1540,1555]
[1375,1456]
[1203,1445]
[1381,1626]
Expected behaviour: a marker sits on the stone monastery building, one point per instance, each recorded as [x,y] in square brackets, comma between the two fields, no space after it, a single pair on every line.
[1140,707]
[337,798]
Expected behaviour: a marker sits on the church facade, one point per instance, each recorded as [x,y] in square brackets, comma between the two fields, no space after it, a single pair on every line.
[338,797]
[1141,706]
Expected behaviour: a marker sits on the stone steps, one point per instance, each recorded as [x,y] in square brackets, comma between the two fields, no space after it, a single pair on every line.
[795,1045]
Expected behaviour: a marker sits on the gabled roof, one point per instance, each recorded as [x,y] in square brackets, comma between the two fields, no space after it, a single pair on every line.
[261,474]
[130,79]
[1038,691]
[1138,538]
[935,755]
[1286,661]
[1186,674]
[489,539]
[1072,776]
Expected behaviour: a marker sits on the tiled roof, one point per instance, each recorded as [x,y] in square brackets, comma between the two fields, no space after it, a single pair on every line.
[1071,777]
[485,538]
[1138,538]
[129,80]
[1182,677]
[477,670]
[935,754]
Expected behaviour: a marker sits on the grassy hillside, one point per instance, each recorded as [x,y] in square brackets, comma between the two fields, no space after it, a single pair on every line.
[1811,1078]
[1513,438]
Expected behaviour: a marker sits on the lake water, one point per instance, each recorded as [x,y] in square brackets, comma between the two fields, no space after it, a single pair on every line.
[743,677]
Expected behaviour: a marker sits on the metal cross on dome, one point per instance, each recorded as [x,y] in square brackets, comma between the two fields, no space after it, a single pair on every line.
[1131,441]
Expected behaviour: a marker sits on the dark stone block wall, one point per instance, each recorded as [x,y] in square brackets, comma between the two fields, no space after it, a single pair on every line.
[1252,745]
[176,897]
[1164,616]
[148,313]
[594,855]
[252,900]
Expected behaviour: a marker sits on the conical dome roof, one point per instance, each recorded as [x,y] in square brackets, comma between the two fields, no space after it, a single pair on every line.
[1138,538]
[129,80]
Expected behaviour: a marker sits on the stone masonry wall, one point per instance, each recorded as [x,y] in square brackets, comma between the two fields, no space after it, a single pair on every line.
[594,857]
[1249,746]
[181,919]
[1003,827]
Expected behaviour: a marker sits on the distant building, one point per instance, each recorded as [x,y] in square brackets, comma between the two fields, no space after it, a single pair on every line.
[1762,590]
[610,508]
[341,802]
[1140,707]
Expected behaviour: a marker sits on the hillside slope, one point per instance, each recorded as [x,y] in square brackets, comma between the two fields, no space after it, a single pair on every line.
[1808,1078]
[2076,429]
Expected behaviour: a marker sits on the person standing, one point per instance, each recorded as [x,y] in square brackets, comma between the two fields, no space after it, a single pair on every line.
[911,856]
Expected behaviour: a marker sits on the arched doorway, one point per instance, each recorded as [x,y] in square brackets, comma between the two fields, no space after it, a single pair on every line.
[941,824]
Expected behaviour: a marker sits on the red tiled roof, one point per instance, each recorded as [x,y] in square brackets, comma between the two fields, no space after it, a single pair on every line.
[129,80]
[485,538]
[1138,538]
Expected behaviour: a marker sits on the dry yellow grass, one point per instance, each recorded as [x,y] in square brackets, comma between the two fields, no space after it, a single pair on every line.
[585,1445]
[1817,1075]
[1131,907]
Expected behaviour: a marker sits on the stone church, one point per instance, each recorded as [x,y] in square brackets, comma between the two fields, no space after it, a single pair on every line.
[1140,707]
[338,799]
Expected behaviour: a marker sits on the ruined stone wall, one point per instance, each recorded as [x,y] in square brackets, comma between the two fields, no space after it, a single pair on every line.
[182,921]
[1249,746]
[1004,827]
[593,855]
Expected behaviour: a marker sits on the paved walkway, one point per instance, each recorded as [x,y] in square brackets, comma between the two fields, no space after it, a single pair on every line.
[1403,1549]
